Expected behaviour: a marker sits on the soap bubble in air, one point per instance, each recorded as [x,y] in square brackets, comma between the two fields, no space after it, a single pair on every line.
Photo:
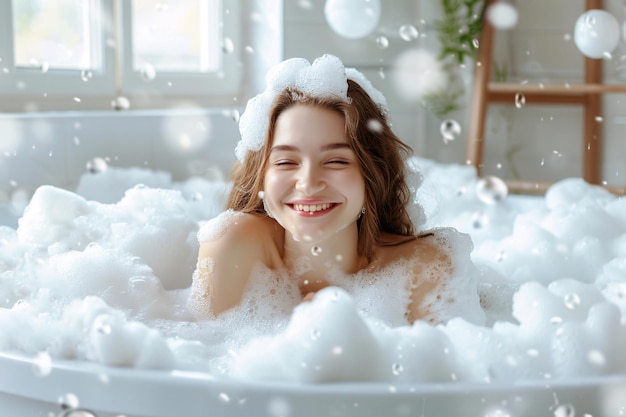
[491,190]
[373,125]
[19,201]
[450,130]
[352,19]
[228,46]
[565,410]
[68,401]
[97,165]
[86,75]
[418,73]
[382,42]
[187,135]
[596,33]
[148,73]
[502,15]
[120,103]
[571,300]
[408,32]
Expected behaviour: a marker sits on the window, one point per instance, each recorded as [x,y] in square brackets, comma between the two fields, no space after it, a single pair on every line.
[85,54]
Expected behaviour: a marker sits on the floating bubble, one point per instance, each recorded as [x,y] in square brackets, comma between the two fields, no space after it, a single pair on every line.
[68,401]
[44,67]
[520,100]
[86,75]
[19,201]
[228,46]
[97,165]
[225,398]
[120,103]
[565,410]
[187,135]
[596,33]
[148,73]
[502,15]
[479,219]
[315,334]
[382,42]
[418,73]
[337,350]
[373,125]
[571,300]
[316,251]
[491,190]
[596,357]
[397,369]
[450,130]
[305,4]
[408,32]
[352,19]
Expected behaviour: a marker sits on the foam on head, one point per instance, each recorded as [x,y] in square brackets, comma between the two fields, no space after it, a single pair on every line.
[325,77]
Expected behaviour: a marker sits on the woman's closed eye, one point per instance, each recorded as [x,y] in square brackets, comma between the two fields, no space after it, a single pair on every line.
[283,162]
[340,162]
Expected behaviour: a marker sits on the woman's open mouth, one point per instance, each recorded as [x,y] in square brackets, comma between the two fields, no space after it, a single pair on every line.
[313,209]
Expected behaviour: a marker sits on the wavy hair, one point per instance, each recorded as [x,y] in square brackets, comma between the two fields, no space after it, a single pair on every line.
[380,153]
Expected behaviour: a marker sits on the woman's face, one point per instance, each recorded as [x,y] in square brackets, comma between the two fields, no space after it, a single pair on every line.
[313,183]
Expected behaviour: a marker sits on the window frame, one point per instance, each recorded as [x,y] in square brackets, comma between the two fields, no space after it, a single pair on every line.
[56,89]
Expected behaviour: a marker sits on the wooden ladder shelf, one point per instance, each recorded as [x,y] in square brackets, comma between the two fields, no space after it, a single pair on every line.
[588,95]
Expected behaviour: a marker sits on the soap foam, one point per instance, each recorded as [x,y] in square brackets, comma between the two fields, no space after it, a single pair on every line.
[109,283]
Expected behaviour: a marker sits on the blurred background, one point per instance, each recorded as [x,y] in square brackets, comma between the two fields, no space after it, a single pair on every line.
[86,85]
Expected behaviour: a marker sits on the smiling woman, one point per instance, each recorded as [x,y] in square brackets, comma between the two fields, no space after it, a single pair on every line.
[320,196]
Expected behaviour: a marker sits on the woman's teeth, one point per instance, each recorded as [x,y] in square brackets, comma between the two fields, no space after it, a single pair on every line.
[311,207]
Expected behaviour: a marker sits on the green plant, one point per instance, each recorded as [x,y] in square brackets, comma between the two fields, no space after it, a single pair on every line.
[457,31]
[459,28]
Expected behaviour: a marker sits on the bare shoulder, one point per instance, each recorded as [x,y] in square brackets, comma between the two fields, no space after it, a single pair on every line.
[426,247]
[252,234]
[232,245]
[228,224]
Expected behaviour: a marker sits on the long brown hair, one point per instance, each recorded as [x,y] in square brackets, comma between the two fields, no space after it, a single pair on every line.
[381,155]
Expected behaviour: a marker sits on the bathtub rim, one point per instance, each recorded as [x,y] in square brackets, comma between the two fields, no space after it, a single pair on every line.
[205,392]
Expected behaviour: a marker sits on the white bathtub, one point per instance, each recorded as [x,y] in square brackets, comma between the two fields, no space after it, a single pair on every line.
[114,392]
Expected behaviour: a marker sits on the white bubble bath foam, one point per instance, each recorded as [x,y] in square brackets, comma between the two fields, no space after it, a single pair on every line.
[94,317]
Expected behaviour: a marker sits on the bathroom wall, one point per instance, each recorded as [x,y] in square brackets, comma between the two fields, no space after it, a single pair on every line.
[545,142]
[539,143]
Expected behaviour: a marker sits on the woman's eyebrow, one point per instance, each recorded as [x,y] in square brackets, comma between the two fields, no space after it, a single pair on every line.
[328,147]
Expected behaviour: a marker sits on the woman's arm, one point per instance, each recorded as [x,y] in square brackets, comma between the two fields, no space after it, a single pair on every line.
[224,265]
[431,274]
[445,279]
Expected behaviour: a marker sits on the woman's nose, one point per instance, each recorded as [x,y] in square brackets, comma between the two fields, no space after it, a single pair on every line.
[309,180]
